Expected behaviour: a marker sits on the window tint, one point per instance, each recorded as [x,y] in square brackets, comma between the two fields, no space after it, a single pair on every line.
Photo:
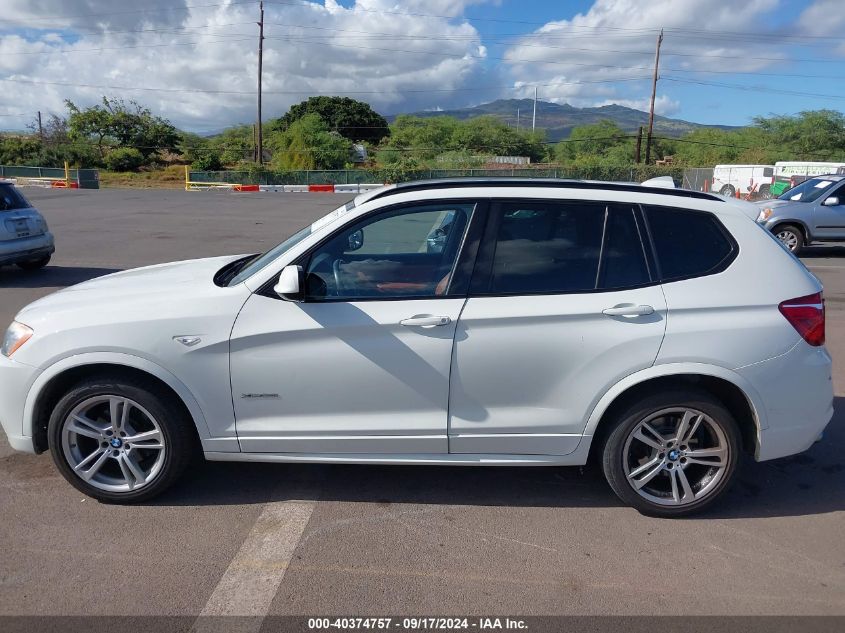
[547,248]
[623,257]
[688,243]
[404,253]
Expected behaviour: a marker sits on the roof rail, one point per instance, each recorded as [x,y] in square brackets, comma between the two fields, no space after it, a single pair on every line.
[456,183]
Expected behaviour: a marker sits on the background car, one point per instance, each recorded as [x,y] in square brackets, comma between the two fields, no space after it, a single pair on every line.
[814,210]
[25,239]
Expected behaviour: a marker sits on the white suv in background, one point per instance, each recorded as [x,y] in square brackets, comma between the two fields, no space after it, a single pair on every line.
[659,332]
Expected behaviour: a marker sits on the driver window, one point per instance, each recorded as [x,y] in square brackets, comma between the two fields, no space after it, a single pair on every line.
[408,252]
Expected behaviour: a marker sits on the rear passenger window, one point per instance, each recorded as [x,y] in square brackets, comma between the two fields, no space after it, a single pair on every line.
[566,247]
[688,243]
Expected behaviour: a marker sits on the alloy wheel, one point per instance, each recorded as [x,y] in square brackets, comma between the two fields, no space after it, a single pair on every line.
[113,443]
[676,456]
[789,239]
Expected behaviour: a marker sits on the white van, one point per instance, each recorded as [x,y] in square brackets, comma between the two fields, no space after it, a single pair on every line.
[753,179]
[791,173]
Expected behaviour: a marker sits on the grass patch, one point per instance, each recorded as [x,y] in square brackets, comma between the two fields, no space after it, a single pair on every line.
[172,177]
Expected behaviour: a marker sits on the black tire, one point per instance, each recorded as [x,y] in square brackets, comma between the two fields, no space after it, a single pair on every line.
[728,190]
[765,192]
[176,428]
[627,421]
[796,242]
[34,264]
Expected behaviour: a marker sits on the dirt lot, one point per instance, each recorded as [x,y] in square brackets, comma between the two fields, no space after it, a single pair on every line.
[265,539]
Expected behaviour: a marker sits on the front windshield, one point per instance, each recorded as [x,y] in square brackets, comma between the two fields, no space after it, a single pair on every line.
[807,191]
[252,266]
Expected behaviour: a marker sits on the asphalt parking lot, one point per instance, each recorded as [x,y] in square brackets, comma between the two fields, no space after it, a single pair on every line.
[366,540]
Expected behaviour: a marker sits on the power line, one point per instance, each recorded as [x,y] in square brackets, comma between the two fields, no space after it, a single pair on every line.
[328,92]
[54,18]
[755,88]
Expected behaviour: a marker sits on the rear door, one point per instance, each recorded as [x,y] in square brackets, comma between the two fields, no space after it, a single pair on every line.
[564,303]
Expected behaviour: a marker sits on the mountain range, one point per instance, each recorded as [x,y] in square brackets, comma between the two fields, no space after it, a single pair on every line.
[559,119]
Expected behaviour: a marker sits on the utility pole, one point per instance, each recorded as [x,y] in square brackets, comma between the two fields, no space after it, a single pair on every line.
[653,95]
[639,145]
[517,119]
[40,128]
[534,116]
[260,62]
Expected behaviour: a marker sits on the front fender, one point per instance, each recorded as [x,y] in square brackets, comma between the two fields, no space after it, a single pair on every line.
[125,360]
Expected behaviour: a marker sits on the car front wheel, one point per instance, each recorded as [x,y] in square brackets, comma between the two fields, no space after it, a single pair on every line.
[672,454]
[118,440]
[790,236]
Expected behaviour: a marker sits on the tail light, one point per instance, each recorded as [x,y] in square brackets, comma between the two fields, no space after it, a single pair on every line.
[806,315]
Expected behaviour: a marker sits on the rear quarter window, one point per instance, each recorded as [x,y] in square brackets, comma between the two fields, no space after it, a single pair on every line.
[689,243]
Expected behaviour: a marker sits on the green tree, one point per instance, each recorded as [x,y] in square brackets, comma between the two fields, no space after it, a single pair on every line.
[352,119]
[234,145]
[115,123]
[602,142]
[308,144]
[811,135]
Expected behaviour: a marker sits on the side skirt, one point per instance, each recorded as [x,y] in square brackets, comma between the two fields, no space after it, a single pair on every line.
[577,458]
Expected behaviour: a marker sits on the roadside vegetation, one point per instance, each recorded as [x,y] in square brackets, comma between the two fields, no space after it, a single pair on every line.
[134,147]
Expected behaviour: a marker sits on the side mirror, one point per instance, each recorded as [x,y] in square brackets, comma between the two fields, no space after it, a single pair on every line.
[832,201]
[290,284]
[355,241]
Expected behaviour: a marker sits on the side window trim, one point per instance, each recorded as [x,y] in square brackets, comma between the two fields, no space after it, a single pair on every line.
[478,215]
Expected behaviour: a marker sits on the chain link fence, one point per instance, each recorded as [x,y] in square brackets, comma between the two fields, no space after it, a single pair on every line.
[637,173]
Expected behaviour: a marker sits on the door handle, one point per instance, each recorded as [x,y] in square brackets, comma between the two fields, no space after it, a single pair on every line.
[628,310]
[425,320]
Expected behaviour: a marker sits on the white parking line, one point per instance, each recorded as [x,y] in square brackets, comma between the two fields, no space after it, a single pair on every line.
[252,579]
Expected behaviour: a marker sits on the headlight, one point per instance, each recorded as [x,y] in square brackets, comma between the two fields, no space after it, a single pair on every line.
[16,335]
[764,214]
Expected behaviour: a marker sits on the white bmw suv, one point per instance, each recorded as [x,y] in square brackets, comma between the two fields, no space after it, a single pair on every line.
[659,332]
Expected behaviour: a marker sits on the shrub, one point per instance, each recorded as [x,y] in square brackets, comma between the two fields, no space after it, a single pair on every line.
[124,159]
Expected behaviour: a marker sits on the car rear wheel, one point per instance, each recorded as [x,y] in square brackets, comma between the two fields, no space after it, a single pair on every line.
[34,264]
[118,441]
[728,190]
[672,454]
[791,236]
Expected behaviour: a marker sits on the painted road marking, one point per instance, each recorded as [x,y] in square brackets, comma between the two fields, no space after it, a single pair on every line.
[250,583]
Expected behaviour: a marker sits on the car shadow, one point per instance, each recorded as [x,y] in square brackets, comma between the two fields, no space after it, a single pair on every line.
[822,250]
[50,276]
[805,484]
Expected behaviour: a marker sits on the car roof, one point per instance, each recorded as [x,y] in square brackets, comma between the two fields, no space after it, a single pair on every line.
[546,183]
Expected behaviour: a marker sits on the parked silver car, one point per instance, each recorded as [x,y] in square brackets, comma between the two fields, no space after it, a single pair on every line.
[811,211]
[25,239]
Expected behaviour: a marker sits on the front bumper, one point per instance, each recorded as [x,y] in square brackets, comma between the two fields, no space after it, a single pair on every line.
[28,248]
[15,381]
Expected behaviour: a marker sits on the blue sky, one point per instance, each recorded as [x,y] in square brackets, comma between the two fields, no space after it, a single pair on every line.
[194,60]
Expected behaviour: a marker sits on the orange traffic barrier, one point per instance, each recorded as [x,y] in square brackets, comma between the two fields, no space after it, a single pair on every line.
[246,188]
[322,188]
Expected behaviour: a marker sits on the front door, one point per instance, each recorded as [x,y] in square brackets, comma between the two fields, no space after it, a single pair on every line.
[362,365]
[829,221]
[563,305]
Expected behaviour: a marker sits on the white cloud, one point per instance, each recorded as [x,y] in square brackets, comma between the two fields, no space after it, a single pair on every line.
[310,48]
[614,42]
[663,104]
[824,18]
